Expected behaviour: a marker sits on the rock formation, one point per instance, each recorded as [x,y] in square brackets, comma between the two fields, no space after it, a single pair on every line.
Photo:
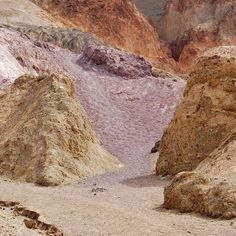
[115,62]
[117,23]
[192,26]
[46,137]
[206,115]
[203,135]
[127,105]
[210,189]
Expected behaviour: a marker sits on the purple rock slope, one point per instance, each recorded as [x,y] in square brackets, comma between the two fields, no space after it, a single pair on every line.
[128,107]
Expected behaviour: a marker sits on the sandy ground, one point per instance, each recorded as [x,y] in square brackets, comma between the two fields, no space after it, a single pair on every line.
[131,207]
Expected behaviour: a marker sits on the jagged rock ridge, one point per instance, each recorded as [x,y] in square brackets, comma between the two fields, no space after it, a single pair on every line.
[72,39]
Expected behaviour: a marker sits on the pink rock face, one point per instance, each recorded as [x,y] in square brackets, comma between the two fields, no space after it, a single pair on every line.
[19,55]
[128,107]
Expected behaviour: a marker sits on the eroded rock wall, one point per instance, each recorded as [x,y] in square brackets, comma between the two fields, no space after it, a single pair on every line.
[117,22]
[206,115]
[200,143]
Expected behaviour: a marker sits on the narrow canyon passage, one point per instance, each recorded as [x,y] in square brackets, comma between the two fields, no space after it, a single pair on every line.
[129,114]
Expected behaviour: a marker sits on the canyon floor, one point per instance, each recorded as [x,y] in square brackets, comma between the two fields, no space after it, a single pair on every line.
[131,207]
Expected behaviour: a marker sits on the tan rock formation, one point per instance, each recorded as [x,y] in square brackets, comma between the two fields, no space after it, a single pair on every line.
[46,137]
[203,135]
[210,189]
[192,27]
[206,116]
[116,22]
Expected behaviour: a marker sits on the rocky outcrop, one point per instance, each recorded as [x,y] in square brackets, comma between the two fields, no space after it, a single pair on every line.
[46,137]
[116,62]
[205,117]
[203,135]
[72,39]
[118,23]
[212,24]
[127,105]
[210,188]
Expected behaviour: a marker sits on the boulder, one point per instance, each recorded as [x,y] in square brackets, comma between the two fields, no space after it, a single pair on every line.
[206,116]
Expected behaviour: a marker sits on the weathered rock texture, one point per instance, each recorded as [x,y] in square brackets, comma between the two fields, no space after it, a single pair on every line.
[72,39]
[210,189]
[117,23]
[115,62]
[192,26]
[206,116]
[46,137]
[203,135]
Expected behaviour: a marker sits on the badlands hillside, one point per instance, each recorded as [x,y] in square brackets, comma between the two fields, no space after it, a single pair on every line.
[117,117]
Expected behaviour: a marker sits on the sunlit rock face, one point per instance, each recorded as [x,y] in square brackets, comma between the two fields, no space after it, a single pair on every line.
[199,145]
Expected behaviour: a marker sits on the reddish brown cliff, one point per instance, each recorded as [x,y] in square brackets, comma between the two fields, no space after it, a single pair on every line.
[192,26]
[117,22]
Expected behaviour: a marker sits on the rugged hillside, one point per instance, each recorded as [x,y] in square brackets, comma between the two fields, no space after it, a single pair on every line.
[206,115]
[46,137]
[113,87]
[20,55]
[212,23]
[116,22]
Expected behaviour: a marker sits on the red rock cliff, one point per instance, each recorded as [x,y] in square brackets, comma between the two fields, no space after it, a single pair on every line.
[192,26]
[116,22]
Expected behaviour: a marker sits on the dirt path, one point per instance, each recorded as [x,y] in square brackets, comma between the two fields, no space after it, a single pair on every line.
[128,208]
